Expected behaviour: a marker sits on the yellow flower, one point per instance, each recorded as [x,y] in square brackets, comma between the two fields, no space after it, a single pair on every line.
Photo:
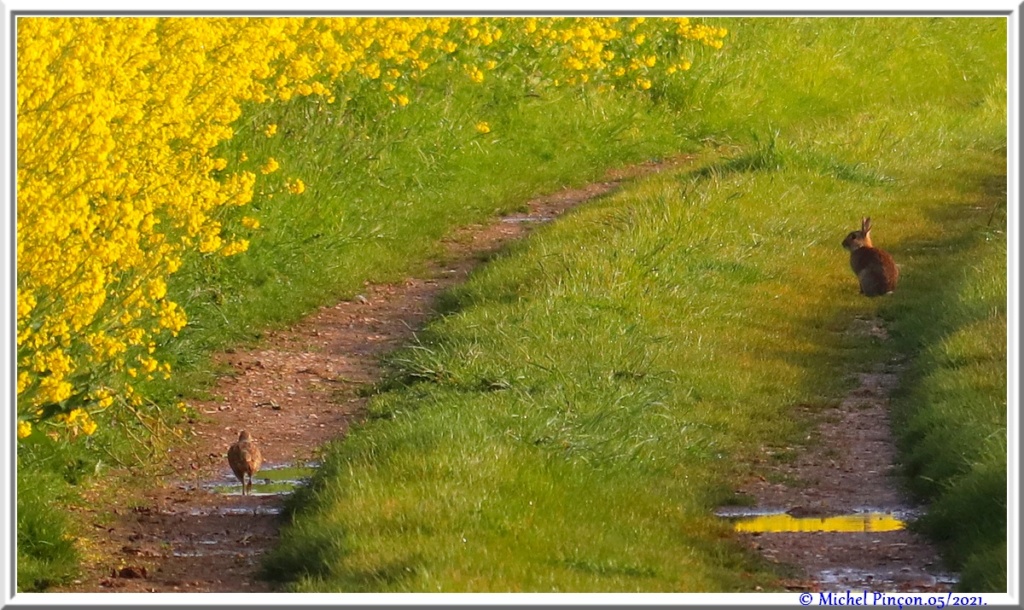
[78,418]
[270,167]
[149,364]
[210,243]
[235,247]
[24,428]
[24,379]
[135,130]
[296,186]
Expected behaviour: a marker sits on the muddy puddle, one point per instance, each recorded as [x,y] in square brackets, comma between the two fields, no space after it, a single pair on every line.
[234,511]
[880,578]
[273,480]
[205,535]
[778,522]
[867,548]
[526,219]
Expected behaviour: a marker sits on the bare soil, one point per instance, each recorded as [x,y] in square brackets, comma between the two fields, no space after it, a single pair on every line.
[849,466]
[295,392]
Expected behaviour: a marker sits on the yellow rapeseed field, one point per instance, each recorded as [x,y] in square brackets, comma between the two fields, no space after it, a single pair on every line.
[118,120]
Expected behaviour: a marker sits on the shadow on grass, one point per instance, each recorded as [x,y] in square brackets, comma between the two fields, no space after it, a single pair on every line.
[770,155]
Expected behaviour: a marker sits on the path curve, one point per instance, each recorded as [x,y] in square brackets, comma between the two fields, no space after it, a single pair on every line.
[296,391]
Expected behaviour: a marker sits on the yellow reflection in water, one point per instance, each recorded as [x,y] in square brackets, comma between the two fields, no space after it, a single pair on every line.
[861,522]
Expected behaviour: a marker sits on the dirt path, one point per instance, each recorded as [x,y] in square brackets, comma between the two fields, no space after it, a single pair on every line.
[193,531]
[849,469]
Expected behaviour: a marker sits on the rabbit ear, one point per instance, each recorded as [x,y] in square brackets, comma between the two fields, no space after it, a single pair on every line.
[865,224]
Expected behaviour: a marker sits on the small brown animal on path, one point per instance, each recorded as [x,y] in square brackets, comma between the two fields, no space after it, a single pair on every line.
[245,459]
[345,342]
[874,267]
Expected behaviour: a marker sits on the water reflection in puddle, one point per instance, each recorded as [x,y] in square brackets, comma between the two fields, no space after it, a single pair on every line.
[233,511]
[235,552]
[270,481]
[521,219]
[754,521]
[866,522]
[854,576]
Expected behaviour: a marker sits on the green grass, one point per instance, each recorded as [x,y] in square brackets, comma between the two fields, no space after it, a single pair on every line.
[595,392]
[46,551]
[951,416]
[591,395]
[929,124]
[382,189]
[577,415]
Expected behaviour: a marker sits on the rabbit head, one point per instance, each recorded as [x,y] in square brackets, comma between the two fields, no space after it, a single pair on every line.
[859,239]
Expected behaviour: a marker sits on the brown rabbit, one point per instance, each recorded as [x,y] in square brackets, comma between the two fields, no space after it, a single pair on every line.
[874,268]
